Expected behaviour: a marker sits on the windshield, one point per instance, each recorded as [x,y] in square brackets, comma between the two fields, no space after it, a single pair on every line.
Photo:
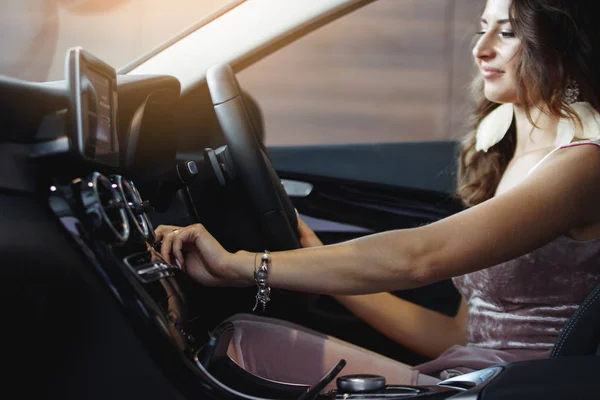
[35,34]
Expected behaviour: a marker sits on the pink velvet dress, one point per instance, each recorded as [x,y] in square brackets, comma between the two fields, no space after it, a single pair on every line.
[515,312]
[517,309]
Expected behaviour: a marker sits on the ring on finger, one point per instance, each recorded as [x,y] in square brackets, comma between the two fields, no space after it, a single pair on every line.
[176,231]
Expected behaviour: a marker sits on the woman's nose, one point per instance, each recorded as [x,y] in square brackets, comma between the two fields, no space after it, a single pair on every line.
[484,48]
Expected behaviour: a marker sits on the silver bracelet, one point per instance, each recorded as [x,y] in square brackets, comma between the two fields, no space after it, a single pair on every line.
[263,295]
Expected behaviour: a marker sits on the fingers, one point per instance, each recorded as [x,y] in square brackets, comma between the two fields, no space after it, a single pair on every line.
[162,230]
[308,238]
[177,246]
[302,227]
[165,247]
[174,241]
[169,241]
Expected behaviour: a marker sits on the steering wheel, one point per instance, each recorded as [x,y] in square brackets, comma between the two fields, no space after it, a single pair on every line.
[267,195]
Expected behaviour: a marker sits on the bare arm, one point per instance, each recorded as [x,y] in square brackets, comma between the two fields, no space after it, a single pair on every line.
[559,196]
[417,328]
[420,329]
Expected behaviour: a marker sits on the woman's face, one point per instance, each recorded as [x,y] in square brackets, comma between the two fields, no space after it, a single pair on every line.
[497,53]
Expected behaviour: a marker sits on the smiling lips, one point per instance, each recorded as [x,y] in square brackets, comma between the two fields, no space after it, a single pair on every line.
[491,73]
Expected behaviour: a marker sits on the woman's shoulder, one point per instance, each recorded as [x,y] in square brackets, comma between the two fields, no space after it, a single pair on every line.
[589,149]
[581,142]
[584,152]
[572,169]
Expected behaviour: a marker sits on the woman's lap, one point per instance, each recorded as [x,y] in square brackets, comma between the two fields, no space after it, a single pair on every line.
[286,352]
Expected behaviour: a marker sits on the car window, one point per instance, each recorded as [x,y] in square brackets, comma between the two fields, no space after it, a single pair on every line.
[390,71]
[35,34]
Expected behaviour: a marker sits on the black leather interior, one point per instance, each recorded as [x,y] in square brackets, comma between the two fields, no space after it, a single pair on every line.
[581,335]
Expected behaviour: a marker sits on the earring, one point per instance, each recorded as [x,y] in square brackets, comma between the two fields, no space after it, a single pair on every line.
[588,116]
[493,127]
[571,92]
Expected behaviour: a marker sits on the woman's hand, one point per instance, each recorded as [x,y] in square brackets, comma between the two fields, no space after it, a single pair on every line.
[308,238]
[199,254]
[163,230]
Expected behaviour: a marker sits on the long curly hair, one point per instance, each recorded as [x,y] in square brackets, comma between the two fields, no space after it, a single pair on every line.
[560,41]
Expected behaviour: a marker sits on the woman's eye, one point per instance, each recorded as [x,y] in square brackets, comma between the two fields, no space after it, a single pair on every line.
[503,34]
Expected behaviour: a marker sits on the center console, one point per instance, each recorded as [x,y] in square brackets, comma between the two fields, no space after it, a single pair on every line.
[105,216]
[102,211]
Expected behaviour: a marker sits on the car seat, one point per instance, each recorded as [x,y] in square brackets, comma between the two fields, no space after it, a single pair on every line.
[581,334]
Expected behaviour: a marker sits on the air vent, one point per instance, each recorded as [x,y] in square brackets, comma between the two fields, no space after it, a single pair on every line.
[104,206]
[133,206]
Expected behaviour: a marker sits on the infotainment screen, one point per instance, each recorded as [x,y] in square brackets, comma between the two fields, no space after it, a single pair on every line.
[92,107]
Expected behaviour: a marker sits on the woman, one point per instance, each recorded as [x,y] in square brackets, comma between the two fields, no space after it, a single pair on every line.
[524,254]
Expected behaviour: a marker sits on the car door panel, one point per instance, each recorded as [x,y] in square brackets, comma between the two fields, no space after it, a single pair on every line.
[414,165]
[347,191]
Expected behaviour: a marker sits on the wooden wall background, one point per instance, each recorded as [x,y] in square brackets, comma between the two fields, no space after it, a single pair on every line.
[395,70]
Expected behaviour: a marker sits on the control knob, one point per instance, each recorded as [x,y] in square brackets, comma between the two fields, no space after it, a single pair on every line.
[360,383]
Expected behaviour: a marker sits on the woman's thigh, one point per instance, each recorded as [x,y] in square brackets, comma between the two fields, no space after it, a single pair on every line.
[286,352]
